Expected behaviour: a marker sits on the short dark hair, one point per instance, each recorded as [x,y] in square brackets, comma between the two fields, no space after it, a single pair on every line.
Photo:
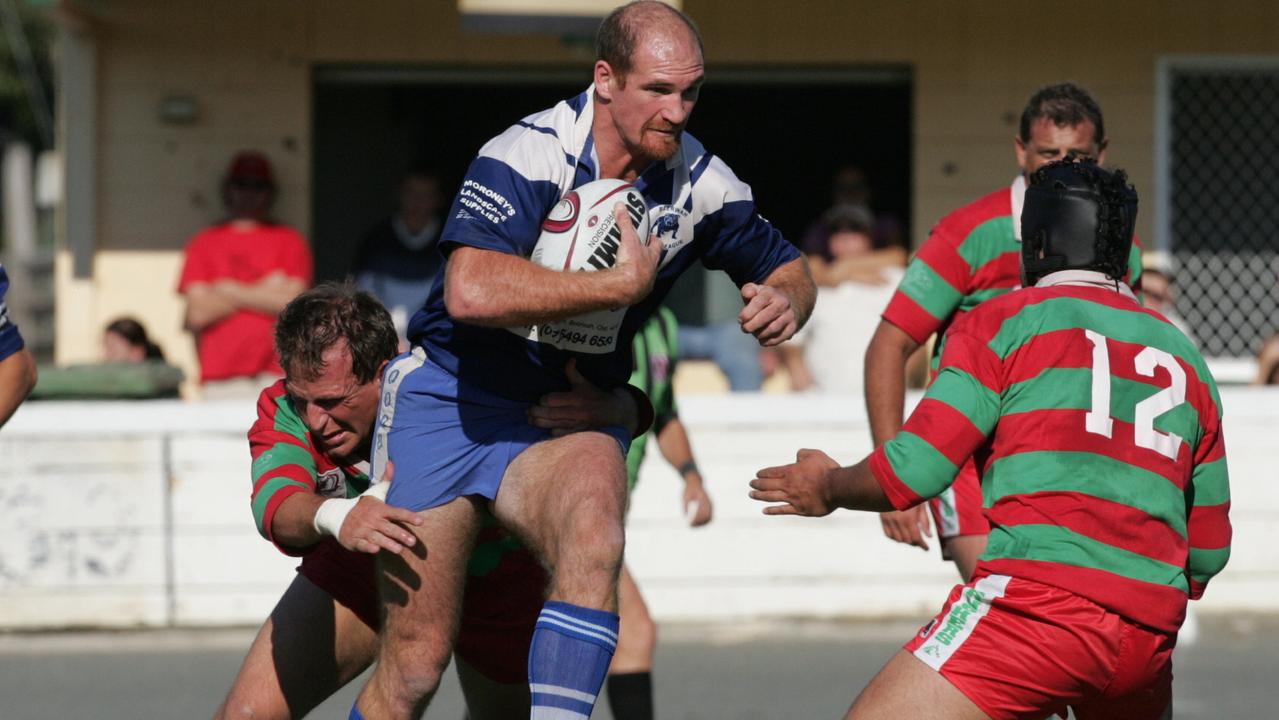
[848,217]
[619,32]
[331,312]
[1066,105]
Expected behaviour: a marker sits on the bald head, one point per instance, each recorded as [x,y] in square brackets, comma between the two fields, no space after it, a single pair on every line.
[627,26]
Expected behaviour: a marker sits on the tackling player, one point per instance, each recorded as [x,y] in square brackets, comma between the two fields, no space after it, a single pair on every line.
[1096,428]
[453,423]
[310,449]
[970,257]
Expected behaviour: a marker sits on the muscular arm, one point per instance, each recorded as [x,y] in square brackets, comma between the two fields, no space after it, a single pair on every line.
[17,377]
[486,287]
[885,380]
[293,524]
[780,306]
[815,485]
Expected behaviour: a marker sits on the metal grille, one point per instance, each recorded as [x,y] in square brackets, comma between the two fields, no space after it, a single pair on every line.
[1222,180]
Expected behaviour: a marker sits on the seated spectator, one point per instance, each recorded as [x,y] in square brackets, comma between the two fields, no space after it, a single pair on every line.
[399,258]
[1158,292]
[832,266]
[849,186]
[237,276]
[132,368]
[125,340]
[827,354]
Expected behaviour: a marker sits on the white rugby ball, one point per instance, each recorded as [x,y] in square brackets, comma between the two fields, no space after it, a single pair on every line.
[581,233]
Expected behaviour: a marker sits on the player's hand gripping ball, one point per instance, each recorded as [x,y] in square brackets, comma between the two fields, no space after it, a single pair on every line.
[581,232]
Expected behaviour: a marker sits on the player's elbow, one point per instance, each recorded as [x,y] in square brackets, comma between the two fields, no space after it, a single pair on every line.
[466,301]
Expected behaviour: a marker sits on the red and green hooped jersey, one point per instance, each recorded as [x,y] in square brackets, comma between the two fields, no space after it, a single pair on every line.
[971,256]
[1096,428]
[285,461]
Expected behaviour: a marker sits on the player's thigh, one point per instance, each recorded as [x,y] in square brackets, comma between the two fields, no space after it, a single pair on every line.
[907,688]
[558,485]
[308,648]
[421,588]
[488,699]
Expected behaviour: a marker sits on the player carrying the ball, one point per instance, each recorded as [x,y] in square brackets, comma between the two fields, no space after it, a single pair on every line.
[453,417]
[1096,430]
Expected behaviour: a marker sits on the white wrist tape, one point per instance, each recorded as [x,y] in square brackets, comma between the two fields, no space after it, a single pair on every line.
[377,490]
[332,513]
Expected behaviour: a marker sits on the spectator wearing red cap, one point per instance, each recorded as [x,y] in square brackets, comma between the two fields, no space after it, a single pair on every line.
[237,276]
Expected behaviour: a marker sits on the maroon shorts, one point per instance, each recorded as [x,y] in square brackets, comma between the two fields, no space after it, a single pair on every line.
[348,577]
[499,609]
[1022,649]
[958,510]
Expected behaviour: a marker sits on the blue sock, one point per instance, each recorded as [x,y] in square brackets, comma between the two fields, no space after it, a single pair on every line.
[572,648]
[355,714]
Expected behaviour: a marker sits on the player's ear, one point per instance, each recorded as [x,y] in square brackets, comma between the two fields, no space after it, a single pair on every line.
[1019,147]
[604,78]
[1101,151]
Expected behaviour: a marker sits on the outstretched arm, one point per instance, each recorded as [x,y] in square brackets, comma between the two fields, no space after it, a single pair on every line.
[815,485]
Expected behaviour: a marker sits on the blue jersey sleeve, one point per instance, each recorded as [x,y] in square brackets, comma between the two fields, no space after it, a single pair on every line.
[746,246]
[10,340]
[498,209]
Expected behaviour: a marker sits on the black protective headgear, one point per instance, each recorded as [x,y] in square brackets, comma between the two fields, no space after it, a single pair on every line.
[1077,216]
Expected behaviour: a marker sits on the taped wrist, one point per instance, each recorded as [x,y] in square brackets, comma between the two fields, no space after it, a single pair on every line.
[332,513]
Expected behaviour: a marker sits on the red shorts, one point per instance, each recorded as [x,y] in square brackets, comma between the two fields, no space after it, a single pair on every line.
[499,608]
[958,510]
[1022,649]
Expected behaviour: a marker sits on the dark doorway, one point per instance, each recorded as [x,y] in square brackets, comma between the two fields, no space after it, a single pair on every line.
[784,131]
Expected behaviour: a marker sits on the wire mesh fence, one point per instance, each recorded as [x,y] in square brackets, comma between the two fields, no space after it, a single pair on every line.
[1223,175]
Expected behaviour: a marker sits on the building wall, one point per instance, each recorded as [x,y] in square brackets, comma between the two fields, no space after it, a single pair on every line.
[248,65]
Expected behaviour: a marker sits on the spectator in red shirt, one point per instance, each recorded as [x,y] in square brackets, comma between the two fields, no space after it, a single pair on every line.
[237,276]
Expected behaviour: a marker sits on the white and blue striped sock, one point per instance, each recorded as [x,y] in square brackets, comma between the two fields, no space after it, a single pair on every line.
[571,651]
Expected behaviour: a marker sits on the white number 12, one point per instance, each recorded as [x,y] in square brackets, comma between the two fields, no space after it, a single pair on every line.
[1098,420]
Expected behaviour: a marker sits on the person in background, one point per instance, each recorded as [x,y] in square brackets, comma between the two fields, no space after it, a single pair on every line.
[399,258]
[237,276]
[17,366]
[126,341]
[1158,293]
[823,355]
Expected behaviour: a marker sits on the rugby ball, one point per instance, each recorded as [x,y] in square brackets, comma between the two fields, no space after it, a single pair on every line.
[581,233]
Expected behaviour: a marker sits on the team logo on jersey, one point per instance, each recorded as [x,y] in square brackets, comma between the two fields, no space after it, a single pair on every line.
[331,483]
[671,225]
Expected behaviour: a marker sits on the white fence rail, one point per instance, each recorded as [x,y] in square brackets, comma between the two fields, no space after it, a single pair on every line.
[137,514]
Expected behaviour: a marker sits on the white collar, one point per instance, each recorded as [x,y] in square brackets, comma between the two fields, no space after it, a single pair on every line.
[1086,278]
[1018,191]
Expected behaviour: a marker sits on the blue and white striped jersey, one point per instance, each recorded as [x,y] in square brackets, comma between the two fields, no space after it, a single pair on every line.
[697,207]
[10,340]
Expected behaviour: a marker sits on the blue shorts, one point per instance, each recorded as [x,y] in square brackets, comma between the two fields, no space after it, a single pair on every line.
[447,438]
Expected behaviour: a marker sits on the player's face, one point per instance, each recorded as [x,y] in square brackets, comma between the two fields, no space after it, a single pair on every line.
[1049,142]
[651,104]
[337,409]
